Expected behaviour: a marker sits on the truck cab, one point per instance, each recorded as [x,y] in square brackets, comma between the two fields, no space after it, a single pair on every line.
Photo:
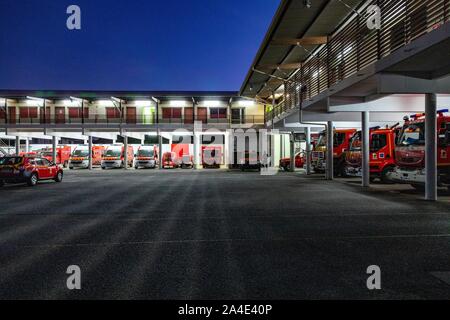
[170,160]
[114,157]
[382,153]
[410,152]
[146,157]
[341,142]
[80,157]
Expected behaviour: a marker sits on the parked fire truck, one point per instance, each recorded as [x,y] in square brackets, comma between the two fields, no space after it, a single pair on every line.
[62,155]
[170,160]
[147,157]
[114,157]
[410,152]
[300,160]
[382,144]
[212,156]
[80,157]
[341,142]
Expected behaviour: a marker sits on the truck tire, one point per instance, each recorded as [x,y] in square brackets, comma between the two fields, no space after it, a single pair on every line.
[384,179]
[59,177]
[33,180]
[65,164]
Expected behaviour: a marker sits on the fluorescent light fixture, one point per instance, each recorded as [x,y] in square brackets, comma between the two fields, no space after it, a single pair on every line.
[2,101]
[105,103]
[177,103]
[246,103]
[35,102]
[213,103]
[143,103]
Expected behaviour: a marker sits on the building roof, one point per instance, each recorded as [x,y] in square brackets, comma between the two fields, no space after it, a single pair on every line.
[293,20]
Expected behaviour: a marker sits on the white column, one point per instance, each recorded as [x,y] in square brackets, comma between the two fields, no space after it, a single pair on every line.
[308,150]
[430,147]
[27,145]
[197,144]
[227,149]
[330,147]
[125,158]
[292,152]
[54,149]
[90,152]
[17,146]
[365,137]
[160,153]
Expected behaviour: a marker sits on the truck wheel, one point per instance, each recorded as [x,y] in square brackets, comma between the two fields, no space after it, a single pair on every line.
[384,173]
[33,180]
[59,177]
[65,164]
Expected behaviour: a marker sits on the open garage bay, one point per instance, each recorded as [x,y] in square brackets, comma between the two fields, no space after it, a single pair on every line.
[220,235]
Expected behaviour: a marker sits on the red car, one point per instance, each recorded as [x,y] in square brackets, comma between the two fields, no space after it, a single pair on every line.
[285,163]
[30,170]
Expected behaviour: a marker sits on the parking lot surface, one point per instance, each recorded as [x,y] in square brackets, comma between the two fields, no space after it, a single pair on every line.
[152,234]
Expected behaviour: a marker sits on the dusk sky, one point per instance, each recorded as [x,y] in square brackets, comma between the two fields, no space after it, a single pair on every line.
[131,45]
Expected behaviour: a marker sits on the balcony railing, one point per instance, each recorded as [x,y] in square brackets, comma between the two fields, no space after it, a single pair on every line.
[354,46]
[102,119]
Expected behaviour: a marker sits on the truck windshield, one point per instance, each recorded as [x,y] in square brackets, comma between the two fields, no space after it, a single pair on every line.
[10,161]
[47,154]
[81,153]
[338,139]
[414,134]
[146,153]
[355,142]
[113,153]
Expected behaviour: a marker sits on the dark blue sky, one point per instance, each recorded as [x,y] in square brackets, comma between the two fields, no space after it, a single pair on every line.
[132,44]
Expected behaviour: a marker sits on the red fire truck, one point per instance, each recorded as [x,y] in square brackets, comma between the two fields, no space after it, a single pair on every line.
[410,152]
[170,160]
[62,155]
[147,157]
[382,153]
[341,142]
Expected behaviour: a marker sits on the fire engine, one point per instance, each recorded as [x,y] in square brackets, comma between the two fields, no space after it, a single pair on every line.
[62,154]
[285,163]
[341,143]
[114,157]
[80,157]
[410,152]
[382,144]
[147,157]
[170,160]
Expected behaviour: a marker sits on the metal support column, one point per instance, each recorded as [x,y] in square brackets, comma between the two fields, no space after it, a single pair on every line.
[90,152]
[125,155]
[54,149]
[430,147]
[308,150]
[292,152]
[160,153]
[196,149]
[17,146]
[27,145]
[365,149]
[330,147]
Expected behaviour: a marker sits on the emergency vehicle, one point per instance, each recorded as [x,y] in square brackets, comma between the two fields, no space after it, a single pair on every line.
[62,154]
[212,156]
[80,157]
[382,153]
[114,157]
[341,142]
[410,152]
[170,160]
[285,163]
[146,157]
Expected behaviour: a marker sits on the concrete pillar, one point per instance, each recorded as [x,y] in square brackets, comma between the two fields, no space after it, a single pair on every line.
[90,152]
[196,150]
[430,147]
[330,147]
[125,158]
[365,148]
[54,149]
[160,154]
[27,145]
[17,146]
[308,150]
[292,152]
[227,149]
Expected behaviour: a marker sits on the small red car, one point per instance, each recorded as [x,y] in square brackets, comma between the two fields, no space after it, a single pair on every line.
[300,160]
[21,169]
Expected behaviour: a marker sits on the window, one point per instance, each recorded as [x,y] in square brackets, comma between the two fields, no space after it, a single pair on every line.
[378,142]
[45,162]
[218,113]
